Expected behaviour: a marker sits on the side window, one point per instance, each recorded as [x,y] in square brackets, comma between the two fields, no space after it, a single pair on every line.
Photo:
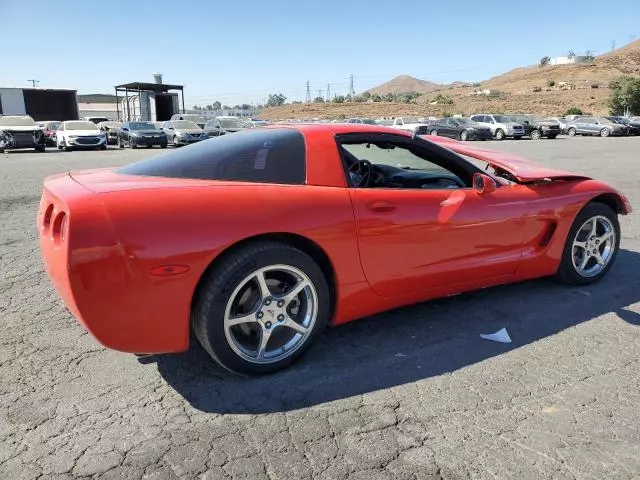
[255,155]
[399,121]
[402,164]
[477,118]
[451,122]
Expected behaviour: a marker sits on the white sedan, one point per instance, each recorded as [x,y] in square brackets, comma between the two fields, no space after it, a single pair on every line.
[80,134]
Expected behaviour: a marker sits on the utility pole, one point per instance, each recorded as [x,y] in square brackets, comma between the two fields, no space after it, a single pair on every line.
[320,93]
[328,92]
[33,82]
[613,45]
[308,93]
[352,91]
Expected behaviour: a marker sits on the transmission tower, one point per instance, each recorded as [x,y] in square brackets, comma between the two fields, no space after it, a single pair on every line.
[33,82]
[320,93]
[352,92]
[328,92]
[308,100]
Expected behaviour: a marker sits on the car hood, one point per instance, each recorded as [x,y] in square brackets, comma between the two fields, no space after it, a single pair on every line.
[524,170]
[19,128]
[148,132]
[189,130]
[83,133]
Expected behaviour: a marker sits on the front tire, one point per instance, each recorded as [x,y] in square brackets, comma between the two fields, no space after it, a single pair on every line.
[499,134]
[571,132]
[605,132]
[464,135]
[536,135]
[434,133]
[591,246]
[261,307]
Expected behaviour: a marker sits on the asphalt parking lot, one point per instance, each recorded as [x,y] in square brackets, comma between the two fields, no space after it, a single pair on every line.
[411,394]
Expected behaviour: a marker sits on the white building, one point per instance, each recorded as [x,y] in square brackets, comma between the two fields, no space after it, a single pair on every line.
[569,60]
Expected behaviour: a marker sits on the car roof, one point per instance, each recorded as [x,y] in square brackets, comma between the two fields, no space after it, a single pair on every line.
[343,128]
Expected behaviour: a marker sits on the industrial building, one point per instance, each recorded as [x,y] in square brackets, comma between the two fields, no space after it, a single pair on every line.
[40,103]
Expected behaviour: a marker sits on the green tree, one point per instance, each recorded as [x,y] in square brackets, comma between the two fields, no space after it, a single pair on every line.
[245,106]
[443,99]
[196,107]
[366,96]
[338,99]
[376,98]
[446,114]
[209,107]
[550,83]
[390,97]
[276,100]
[318,100]
[573,111]
[216,105]
[625,96]
[544,61]
[226,107]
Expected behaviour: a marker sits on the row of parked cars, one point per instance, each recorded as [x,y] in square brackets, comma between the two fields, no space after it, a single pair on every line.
[487,126]
[22,132]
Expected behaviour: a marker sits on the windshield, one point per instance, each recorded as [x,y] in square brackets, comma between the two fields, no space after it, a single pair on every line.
[98,119]
[369,121]
[17,121]
[141,126]
[184,124]
[605,121]
[80,125]
[410,119]
[501,118]
[464,121]
[231,122]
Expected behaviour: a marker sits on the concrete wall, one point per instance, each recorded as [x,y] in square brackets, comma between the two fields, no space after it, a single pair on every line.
[12,101]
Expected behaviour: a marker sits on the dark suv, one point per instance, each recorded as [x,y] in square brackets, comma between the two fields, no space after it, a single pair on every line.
[536,127]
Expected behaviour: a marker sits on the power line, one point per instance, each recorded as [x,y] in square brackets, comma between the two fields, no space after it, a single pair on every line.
[308,99]
[33,82]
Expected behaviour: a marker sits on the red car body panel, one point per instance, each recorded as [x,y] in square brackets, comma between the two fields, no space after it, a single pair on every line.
[126,253]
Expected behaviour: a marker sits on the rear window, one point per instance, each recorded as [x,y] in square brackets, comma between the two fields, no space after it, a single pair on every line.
[263,156]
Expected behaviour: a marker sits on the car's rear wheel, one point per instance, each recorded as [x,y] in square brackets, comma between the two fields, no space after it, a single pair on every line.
[591,246]
[434,133]
[499,134]
[605,132]
[464,135]
[571,132]
[535,135]
[261,308]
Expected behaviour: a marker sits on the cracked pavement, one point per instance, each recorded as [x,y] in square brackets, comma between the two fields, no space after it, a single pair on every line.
[408,394]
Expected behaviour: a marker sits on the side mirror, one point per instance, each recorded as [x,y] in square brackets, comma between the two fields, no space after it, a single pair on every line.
[483,183]
[125,129]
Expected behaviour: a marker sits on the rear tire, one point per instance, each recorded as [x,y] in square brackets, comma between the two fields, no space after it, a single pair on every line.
[464,135]
[605,132]
[231,290]
[434,133]
[120,143]
[581,231]
[535,135]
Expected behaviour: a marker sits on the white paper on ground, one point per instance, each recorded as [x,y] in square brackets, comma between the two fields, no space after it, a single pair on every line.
[499,336]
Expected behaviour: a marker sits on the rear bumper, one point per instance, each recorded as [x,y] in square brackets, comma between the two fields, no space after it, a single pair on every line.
[99,279]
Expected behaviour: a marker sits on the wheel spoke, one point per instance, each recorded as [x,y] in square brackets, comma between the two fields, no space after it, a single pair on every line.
[297,288]
[264,339]
[291,323]
[582,245]
[594,227]
[585,260]
[262,283]
[251,318]
[605,236]
[598,258]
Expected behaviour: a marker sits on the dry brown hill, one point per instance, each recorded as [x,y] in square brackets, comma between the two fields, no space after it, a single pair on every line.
[405,84]
[524,90]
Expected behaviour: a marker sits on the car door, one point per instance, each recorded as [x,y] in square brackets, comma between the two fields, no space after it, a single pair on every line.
[421,239]
[452,129]
[583,125]
[169,130]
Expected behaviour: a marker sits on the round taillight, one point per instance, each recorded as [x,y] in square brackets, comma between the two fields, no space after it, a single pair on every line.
[58,229]
[46,218]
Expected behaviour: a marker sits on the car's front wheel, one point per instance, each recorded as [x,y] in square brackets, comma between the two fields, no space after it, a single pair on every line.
[591,246]
[605,132]
[261,307]
[571,132]
[535,135]
[464,135]
[434,133]
[499,134]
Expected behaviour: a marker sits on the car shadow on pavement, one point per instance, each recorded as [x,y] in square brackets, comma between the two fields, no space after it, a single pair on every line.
[407,344]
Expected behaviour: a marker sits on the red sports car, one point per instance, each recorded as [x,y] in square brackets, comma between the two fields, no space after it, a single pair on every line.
[259,239]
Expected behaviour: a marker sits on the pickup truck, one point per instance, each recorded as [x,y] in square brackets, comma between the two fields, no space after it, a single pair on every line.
[411,124]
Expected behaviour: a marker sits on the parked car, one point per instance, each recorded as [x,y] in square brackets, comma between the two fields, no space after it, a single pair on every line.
[20,132]
[49,130]
[183,132]
[590,125]
[255,241]
[80,134]
[195,118]
[410,124]
[141,134]
[257,123]
[500,125]
[562,122]
[633,126]
[461,129]
[536,127]
[223,125]
[111,129]
[360,120]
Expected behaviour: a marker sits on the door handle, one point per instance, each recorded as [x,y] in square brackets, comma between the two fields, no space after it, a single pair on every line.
[381,206]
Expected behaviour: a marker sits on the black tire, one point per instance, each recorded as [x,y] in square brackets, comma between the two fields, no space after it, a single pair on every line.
[566,271]
[163,145]
[464,136]
[605,132]
[207,318]
[133,144]
[40,148]
[535,135]
[571,132]
[120,143]
[103,147]
[499,134]
[434,133]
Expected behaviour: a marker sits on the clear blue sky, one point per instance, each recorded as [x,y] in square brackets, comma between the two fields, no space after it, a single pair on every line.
[240,51]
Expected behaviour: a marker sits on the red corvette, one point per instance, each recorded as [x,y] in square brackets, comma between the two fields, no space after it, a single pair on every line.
[256,240]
